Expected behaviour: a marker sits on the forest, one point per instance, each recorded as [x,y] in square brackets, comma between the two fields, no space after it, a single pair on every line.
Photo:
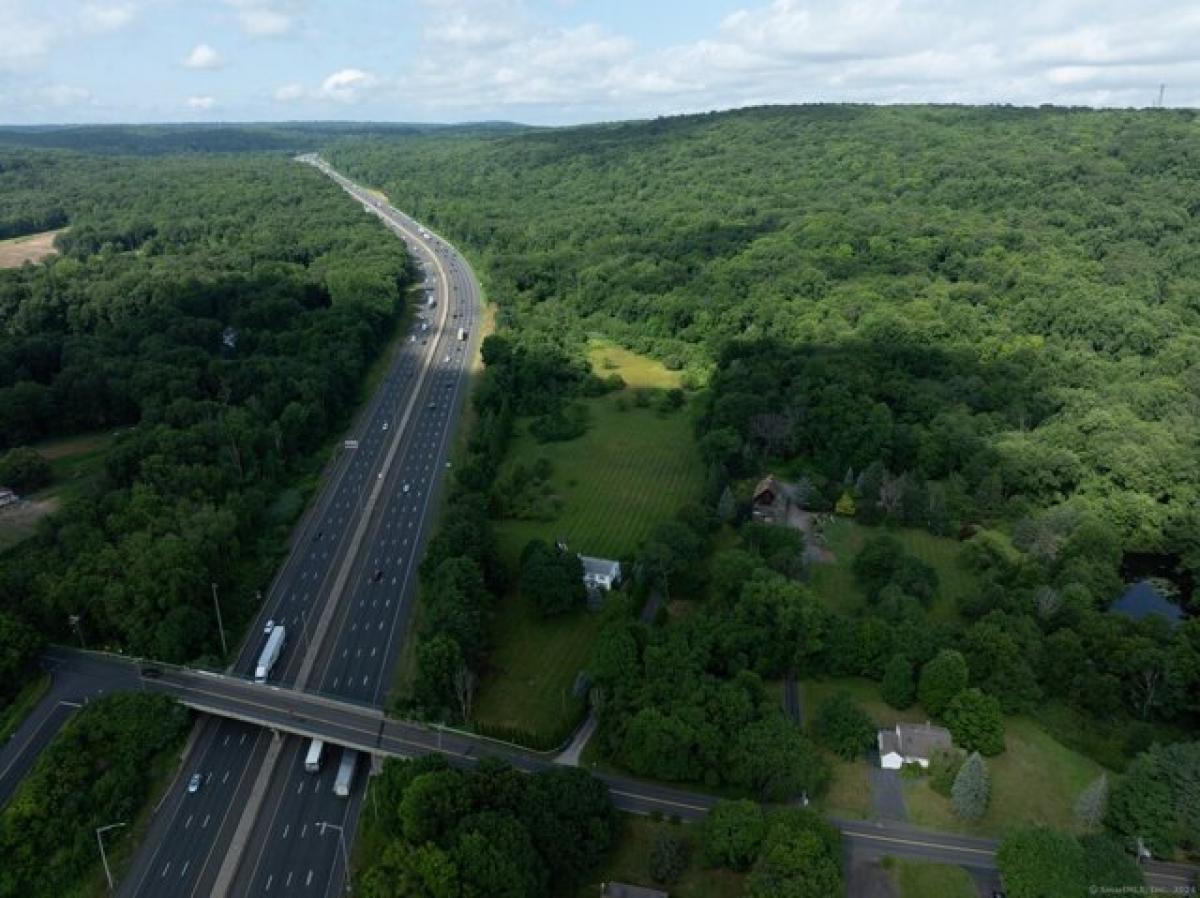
[977,322]
[219,314]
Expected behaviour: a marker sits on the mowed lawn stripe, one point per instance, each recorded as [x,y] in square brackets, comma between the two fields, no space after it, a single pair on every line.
[633,469]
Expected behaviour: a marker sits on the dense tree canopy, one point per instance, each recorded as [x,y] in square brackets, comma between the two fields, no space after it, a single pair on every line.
[222,312]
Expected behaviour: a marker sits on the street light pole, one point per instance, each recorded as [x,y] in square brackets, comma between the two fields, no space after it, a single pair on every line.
[73,620]
[220,624]
[342,840]
[103,856]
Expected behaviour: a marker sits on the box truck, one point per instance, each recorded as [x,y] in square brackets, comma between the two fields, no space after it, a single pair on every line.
[316,753]
[270,653]
[345,774]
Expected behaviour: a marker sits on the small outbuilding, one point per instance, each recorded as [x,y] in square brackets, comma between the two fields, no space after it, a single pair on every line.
[624,890]
[911,743]
[8,497]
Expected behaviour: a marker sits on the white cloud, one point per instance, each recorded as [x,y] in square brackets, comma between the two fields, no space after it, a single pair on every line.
[265,18]
[107,16]
[347,85]
[289,92]
[203,57]
[201,103]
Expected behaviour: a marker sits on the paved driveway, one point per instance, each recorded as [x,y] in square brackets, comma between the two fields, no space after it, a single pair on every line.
[887,791]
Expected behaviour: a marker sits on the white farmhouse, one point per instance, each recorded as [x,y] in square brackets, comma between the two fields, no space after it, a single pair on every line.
[911,743]
[600,573]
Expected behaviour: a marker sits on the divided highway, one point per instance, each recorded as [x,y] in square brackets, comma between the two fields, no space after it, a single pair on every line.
[344,594]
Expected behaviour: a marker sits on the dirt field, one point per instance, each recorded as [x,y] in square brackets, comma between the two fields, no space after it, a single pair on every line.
[32,248]
[18,522]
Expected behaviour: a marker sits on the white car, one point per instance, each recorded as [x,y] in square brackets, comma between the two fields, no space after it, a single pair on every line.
[194,783]
[269,627]
[385,423]
[406,487]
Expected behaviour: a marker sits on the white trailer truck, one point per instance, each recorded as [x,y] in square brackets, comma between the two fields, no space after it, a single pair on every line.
[345,774]
[462,333]
[316,752]
[270,653]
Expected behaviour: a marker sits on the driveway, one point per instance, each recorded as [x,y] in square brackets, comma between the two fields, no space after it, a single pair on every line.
[887,791]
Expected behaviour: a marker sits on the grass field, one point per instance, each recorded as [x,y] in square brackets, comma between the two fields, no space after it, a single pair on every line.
[1035,781]
[836,586]
[75,462]
[630,471]
[16,251]
[533,667]
[921,879]
[629,863]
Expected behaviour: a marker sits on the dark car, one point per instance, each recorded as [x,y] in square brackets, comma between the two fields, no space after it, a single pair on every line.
[152,673]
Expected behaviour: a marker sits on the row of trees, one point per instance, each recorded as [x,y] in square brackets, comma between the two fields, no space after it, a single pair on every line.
[92,773]
[490,831]
[222,312]
[790,852]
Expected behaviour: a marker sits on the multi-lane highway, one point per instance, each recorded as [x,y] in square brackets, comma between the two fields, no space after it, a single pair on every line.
[344,595]
[354,724]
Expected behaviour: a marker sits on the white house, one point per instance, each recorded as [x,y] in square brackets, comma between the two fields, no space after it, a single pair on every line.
[911,743]
[600,573]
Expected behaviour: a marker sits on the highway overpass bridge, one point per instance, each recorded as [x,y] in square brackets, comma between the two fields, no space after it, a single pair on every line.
[368,729]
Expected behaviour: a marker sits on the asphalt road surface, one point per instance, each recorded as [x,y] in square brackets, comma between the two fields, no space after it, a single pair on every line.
[352,569]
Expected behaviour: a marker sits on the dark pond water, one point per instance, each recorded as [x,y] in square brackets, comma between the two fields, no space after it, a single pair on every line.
[1156,585]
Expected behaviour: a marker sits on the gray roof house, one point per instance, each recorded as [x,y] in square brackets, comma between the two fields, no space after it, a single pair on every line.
[624,890]
[600,573]
[911,743]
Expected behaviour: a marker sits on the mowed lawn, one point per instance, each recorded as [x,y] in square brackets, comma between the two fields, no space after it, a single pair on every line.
[922,879]
[1035,780]
[836,586]
[631,470]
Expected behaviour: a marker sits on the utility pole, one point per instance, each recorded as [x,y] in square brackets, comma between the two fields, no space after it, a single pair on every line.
[73,620]
[103,856]
[220,624]
[1162,89]
[345,854]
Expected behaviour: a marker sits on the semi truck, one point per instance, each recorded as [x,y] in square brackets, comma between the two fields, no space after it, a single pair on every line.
[316,753]
[462,333]
[345,774]
[270,653]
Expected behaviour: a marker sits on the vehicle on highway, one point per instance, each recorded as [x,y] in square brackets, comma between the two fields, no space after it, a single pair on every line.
[406,487]
[152,673]
[194,783]
[270,653]
[432,405]
[378,576]
[462,333]
[316,754]
[269,627]
[385,423]
[345,774]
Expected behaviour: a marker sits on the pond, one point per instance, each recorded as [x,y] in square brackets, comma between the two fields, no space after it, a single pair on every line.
[1157,584]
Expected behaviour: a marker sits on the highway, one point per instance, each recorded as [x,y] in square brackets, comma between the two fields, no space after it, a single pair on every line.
[354,724]
[344,593]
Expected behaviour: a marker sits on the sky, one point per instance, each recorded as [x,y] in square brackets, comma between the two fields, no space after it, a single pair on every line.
[568,61]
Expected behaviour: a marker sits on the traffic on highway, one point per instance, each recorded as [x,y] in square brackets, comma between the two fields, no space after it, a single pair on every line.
[340,606]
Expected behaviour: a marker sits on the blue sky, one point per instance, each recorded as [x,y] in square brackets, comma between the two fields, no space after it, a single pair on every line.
[566,61]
